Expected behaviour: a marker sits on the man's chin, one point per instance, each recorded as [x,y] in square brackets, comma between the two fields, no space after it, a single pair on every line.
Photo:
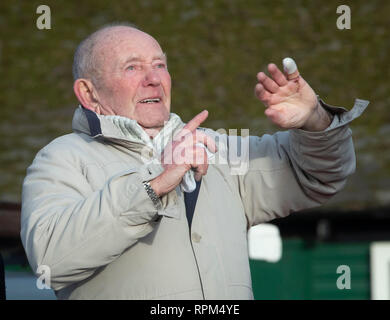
[156,123]
[154,120]
[152,128]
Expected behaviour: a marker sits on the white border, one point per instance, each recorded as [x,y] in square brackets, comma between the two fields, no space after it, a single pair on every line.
[380,270]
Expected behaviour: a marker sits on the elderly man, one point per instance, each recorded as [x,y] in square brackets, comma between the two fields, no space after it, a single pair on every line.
[108,209]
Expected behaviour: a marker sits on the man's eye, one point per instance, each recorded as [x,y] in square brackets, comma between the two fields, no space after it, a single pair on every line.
[161,66]
[131,68]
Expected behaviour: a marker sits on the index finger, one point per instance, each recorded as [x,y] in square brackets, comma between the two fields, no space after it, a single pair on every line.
[195,122]
[277,75]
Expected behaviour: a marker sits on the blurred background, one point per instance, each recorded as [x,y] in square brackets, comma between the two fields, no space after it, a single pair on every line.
[215,48]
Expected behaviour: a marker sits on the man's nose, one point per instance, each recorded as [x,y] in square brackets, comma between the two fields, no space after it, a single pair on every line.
[152,78]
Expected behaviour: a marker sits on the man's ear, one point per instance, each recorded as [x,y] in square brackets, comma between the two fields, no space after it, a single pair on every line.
[86,94]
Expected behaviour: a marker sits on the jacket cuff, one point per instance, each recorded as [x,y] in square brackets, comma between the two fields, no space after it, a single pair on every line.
[168,207]
[341,118]
[341,115]
[134,204]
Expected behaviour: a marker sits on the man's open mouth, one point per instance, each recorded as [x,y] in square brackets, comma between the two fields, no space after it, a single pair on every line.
[150,100]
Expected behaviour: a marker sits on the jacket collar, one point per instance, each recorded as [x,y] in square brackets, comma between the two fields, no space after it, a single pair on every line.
[100,126]
[86,121]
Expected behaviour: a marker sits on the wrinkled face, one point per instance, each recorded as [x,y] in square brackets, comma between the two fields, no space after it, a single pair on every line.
[134,79]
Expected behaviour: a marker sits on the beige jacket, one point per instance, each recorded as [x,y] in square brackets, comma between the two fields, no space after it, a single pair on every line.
[87,216]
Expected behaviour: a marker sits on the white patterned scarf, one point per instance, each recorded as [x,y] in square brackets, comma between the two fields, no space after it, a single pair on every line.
[134,132]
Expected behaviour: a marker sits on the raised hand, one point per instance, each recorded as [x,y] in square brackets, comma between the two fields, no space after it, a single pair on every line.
[290,102]
[183,154]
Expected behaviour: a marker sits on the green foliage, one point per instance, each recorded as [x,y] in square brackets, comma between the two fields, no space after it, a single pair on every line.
[215,48]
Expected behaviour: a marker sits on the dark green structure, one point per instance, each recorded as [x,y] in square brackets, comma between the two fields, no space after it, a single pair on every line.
[315,245]
[307,270]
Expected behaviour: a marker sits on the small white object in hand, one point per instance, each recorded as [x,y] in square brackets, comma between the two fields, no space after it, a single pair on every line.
[289,65]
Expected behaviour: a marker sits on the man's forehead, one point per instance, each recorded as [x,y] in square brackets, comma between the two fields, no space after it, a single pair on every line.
[130,44]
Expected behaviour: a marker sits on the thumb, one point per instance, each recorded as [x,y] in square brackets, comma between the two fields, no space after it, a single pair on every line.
[290,69]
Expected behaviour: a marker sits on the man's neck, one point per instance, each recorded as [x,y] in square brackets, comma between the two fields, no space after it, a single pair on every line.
[152,132]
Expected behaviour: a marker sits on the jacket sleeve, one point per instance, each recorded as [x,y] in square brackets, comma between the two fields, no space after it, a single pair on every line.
[74,230]
[295,170]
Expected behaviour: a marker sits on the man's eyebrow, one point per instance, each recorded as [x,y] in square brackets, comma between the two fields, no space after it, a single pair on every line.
[132,58]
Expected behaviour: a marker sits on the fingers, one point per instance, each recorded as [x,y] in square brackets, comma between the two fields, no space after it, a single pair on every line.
[200,166]
[192,125]
[277,78]
[261,93]
[271,84]
[277,75]
[199,172]
[191,150]
[195,157]
[201,137]
[290,68]
[196,121]
[191,138]
[268,84]
[183,153]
